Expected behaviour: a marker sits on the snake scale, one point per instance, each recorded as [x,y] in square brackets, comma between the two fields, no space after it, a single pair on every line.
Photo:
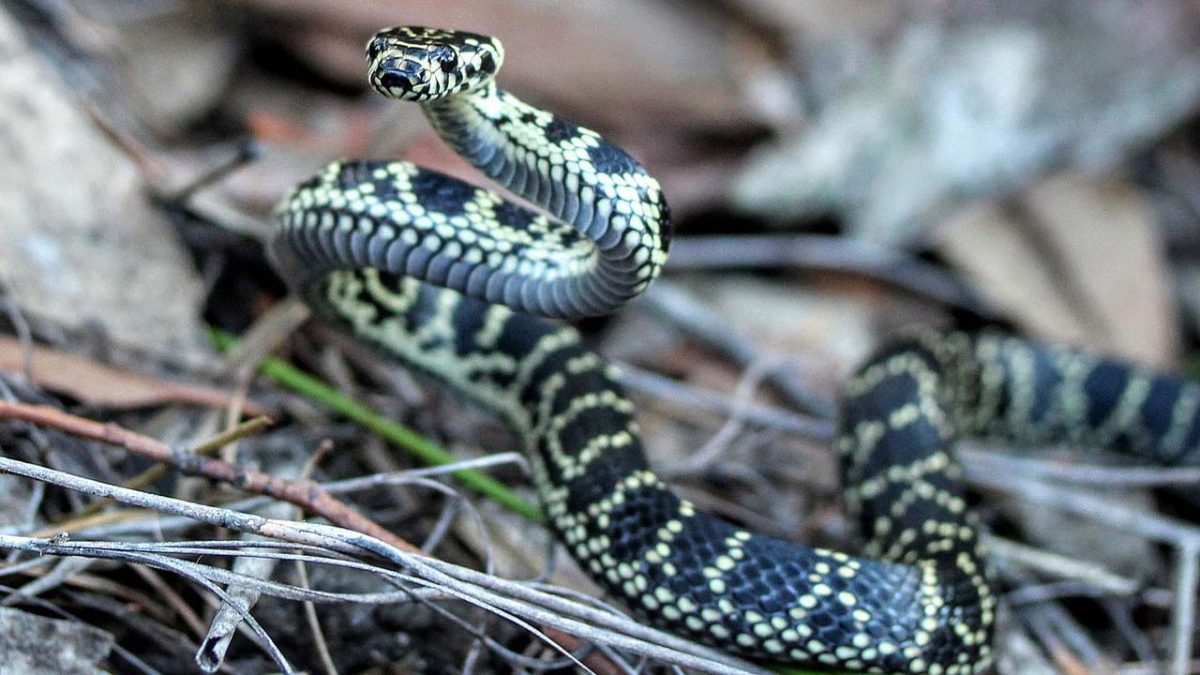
[450,279]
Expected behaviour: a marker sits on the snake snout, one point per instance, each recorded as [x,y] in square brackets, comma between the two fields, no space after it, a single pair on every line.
[400,77]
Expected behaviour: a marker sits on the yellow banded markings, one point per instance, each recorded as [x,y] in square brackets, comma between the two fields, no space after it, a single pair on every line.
[1126,415]
[1183,416]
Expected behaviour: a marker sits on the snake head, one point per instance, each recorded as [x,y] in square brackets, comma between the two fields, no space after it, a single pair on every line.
[424,64]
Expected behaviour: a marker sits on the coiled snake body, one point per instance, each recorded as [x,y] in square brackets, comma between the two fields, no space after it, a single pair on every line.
[445,276]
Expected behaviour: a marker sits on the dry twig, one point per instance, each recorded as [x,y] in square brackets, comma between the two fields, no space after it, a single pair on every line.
[305,494]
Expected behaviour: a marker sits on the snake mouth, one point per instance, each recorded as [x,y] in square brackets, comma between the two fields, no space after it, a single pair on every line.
[401,77]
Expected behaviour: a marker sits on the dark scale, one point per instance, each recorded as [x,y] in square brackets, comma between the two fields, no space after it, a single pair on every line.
[467,319]
[353,175]
[1189,453]
[553,363]
[514,216]
[559,130]
[608,158]
[701,540]
[1105,384]
[1045,383]
[1157,410]
[311,182]
[442,193]
[423,306]
[635,522]
[588,424]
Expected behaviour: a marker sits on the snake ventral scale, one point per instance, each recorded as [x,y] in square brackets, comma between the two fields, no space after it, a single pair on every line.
[455,281]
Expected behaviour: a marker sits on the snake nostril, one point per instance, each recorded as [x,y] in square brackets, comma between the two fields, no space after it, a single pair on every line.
[401,74]
[393,80]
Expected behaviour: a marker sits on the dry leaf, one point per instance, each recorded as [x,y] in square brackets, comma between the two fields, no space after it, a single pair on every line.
[100,385]
[80,244]
[1076,260]
[974,100]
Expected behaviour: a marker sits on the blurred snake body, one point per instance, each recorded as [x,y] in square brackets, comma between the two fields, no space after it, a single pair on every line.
[450,279]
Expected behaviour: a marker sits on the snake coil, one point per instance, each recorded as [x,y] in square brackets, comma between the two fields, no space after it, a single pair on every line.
[445,276]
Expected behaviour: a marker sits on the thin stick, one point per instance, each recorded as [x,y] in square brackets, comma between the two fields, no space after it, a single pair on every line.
[248,428]
[305,494]
[1062,566]
[246,152]
[1081,473]
[809,428]
[512,601]
[1183,613]
[827,253]
[1149,525]
[680,308]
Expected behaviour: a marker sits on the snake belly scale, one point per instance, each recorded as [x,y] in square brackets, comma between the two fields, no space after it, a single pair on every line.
[451,279]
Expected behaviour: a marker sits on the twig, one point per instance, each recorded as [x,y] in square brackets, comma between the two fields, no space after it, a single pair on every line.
[310,609]
[55,577]
[126,522]
[98,520]
[314,624]
[248,428]
[1155,668]
[181,608]
[653,384]
[1062,566]
[266,334]
[827,253]
[596,661]
[1079,473]
[377,480]
[507,599]
[1119,612]
[1149,525]
[1048,623]
[210,654]
[123,552]
[247,151]
[719,443]
[305,494]
[676,305]
[1183,613]
[1184,536]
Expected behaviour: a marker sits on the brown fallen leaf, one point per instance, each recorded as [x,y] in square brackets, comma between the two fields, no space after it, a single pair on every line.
[1076,260]
[100,385]
[74,210]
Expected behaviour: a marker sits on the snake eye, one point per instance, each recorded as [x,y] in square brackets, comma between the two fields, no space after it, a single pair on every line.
[376,46]
[448,60]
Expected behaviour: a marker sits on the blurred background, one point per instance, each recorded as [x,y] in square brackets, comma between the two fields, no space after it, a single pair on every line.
[1042,154]
[838,169]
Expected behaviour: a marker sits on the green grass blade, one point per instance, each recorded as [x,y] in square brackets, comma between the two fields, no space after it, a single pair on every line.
[290,377]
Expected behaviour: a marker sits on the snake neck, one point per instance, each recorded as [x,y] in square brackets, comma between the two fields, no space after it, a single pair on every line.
[571,172]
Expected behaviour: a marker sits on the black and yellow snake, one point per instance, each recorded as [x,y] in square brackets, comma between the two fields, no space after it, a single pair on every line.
[444,276]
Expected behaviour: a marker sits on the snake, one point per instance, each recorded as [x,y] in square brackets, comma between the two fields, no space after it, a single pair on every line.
[469,287]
